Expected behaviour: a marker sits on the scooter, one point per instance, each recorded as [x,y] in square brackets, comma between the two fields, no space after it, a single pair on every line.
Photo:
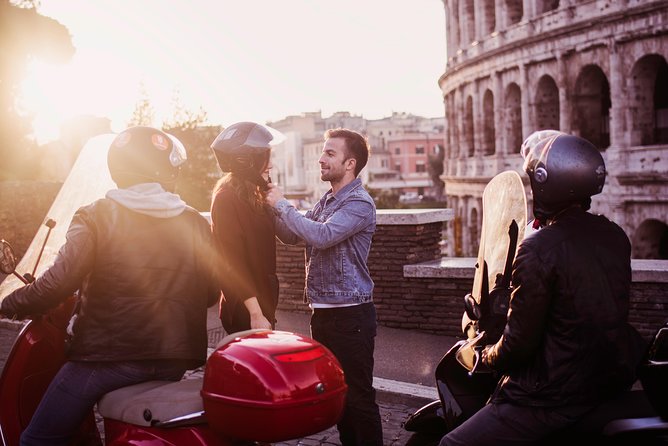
[638,416]
[257,387]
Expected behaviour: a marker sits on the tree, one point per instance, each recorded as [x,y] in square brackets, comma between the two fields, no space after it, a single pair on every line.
[24,35]
[200,173]
[143,114]
[435,168]
[182,117]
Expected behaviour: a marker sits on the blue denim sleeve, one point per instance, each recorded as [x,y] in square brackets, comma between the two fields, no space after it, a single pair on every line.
[283,232]
[349,219]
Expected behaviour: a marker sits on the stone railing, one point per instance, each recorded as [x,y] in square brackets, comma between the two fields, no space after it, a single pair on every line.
[418,289]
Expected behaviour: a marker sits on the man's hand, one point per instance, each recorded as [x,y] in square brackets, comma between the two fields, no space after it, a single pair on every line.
[274,195]
[484,355]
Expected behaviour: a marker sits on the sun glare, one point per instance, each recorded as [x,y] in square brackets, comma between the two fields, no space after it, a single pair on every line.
[233,62]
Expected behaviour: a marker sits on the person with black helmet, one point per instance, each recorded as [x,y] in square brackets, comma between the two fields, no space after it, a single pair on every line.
[245,228]
[567,345]
[140,259]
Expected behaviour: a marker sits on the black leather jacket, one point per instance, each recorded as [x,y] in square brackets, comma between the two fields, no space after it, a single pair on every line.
[567,340]
[145,284]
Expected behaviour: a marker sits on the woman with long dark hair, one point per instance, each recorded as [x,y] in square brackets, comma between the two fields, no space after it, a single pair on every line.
[245,228]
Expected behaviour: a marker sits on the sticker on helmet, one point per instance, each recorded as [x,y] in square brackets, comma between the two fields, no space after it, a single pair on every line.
[123,139]
[159,141]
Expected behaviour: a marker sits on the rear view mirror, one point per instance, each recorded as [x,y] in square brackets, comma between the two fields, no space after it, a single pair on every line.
[7,259]
[472,308]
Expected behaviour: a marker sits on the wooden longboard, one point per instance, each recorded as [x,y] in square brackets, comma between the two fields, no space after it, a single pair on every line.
[504,217]
[88,180]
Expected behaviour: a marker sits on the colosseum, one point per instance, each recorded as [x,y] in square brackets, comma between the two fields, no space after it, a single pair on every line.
[594,68]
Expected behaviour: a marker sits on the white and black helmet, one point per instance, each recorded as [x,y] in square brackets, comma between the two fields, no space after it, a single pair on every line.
[563,169]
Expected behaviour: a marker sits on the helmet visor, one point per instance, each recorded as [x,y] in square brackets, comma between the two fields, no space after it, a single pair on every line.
[178,154]
[535,148]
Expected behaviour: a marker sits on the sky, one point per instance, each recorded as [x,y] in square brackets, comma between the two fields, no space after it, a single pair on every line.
[258,60]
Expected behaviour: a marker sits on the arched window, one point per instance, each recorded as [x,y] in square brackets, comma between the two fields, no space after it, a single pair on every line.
[543,6]
[474,232]
[452,142]
[650,240]
[513,118]
[649,101]
[488,133]
[547,104]
[468,127]
[591,101]
[470,20]
[515,11]
[489,18]
[452,26]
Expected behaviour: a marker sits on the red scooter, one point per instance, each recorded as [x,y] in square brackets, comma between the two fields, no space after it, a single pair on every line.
[257,386]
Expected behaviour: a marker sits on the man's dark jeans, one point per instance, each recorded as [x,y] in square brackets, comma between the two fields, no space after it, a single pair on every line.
[78,386]
[349,332]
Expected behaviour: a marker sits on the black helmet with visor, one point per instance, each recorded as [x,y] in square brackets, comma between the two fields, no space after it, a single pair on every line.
[563,170]
[244,148]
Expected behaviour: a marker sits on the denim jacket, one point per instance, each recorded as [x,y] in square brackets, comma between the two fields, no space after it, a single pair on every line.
[337,232]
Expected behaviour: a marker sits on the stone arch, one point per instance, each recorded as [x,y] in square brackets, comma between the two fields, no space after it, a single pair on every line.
[489,18]
[547,104]
[468,127]
[474,231]
[514,11]
[488,131]
[469,17]
[513,118]
[650,240]
[543,6]
[648,101]
[591,103]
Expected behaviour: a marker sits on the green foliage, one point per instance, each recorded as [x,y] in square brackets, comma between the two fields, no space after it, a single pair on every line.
[200,173]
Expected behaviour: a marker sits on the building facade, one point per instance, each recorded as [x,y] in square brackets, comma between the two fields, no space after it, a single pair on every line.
[401,148]
[593,68]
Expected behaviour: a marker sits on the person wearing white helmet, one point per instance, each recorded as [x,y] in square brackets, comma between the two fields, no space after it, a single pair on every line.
[140,259]
[567,345]
[245,228]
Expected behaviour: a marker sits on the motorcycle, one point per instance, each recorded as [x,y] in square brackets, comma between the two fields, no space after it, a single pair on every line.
[638,416]
[257,387]
[464,385]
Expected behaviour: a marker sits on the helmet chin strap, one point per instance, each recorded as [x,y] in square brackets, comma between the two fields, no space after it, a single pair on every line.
[255,178]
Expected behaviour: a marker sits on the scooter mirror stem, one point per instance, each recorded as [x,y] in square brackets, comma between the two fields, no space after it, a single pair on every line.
[50,223]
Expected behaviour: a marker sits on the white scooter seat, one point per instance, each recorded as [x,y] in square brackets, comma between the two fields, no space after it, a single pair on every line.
[151,402]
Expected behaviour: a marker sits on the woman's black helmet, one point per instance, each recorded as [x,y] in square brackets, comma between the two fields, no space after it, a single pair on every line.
[563,170]
[145,155]
[244,148]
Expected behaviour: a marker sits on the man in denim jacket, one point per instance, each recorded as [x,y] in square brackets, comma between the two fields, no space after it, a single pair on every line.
[338,232]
